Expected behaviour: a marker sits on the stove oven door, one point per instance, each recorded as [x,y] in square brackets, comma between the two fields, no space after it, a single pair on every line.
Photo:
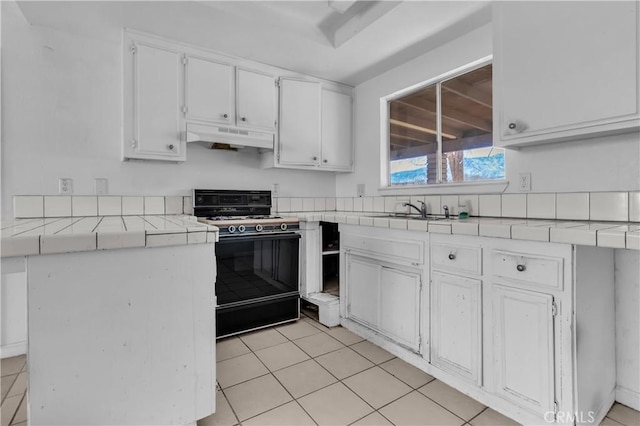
[257,281]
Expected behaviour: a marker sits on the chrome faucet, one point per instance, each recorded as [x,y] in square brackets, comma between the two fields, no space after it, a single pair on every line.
[422,210]
[446,211]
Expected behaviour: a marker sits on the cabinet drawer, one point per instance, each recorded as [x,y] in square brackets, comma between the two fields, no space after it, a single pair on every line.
[540,271]
[457,258]
[407,251]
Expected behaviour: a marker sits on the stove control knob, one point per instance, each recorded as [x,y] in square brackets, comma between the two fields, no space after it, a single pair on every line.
[241,228]
[283,226]
[258,228]
[231,229]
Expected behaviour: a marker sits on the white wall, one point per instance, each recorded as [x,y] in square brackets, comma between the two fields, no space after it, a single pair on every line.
[62,117]
[603,164]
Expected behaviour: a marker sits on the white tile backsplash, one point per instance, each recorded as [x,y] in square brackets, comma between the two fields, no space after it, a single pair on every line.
[320,204]
[490,205]
[434,205]
[358,204]
[187,205]
[394,204]
[112,205]
[308,204]
[173,205]
[609,206]
[153,205]
[514,205]
[28,206]
[84,205]
[132,205]
[284,205]
[367,204]
[572,206]
[57,206]
[634,206]
[450,201]
[340,204]
[331,204]
[296,204]
[348,204]
[378,204]
[541,206]
[471,202]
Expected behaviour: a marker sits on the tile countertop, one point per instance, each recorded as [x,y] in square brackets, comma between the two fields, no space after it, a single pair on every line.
[25,237]
[625,235]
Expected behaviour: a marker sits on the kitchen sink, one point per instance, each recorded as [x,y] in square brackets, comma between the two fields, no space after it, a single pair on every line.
[414,217]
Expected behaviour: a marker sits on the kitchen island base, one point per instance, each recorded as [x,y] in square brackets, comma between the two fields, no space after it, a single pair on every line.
[122,336]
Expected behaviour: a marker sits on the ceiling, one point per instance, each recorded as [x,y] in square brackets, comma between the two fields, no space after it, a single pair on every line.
[345,41]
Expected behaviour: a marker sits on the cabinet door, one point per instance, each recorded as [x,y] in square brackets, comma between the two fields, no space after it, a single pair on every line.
[363,290]
[523,346]
[299,128]
[256,100]
[209,91]
[157,95]
[400,306]
[456,325]
[564,69]
[337,148]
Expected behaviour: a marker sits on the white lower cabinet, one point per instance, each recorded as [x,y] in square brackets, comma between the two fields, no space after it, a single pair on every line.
[384,291]
[523,346]
[456,325]
[527,328]
[400,305]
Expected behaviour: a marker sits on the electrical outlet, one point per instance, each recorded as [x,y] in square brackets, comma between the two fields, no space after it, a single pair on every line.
[360,189]
[524,182]
[275,188]
[101,186]
[65,186]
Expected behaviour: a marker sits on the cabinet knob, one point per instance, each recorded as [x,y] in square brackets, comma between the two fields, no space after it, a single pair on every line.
[170,146]
[315,158]
[516,126]
[521,268]
[244,119]
[452,256]
[513,126]
[325,161]
[225,115]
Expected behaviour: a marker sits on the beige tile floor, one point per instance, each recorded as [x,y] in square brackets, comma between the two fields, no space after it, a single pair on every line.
[306,374]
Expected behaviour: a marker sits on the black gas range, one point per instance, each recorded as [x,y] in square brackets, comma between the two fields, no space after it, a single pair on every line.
[257,257]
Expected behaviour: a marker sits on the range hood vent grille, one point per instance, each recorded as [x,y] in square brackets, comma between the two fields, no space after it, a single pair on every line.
[233,137]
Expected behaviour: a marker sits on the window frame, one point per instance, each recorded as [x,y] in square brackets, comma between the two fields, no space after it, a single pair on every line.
[488,185]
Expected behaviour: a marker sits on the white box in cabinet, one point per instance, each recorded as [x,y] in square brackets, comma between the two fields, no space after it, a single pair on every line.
[535,270]
[457,258]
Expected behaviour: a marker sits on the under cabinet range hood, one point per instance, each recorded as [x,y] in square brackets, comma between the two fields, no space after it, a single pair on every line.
[229,136]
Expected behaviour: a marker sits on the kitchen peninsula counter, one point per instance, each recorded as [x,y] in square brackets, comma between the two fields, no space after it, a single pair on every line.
[624,235]
[27,237]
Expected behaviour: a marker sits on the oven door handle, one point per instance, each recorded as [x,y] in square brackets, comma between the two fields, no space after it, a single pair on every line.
[261,237]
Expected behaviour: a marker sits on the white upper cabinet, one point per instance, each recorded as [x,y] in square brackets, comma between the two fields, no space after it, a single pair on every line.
[299,128]
[153,100]
[337,148]
[564,70]
[256,100]
[209,91]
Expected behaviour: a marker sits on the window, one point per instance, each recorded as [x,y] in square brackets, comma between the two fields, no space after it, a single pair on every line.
[442,132]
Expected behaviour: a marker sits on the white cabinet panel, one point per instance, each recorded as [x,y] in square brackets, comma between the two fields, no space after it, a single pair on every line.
[209,91]
[400,306]
[157,96]
[523,345]
[456,330]
[563,70]
[299,122]
[363,290]
[337,147]
[256,100]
